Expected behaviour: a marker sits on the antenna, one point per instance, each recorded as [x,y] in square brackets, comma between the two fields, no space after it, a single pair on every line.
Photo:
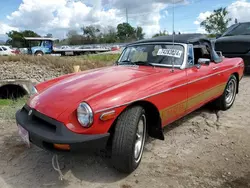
[173,1]
[126,15]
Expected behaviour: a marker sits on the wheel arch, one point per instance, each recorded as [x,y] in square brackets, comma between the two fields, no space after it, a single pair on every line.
[154,125]
[38,51]
[236,74]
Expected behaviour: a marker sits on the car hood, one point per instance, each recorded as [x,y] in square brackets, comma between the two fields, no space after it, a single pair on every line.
[77,88]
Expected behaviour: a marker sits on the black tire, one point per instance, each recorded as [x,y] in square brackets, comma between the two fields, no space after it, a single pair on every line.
[222,103]
[39,53]
[125,137]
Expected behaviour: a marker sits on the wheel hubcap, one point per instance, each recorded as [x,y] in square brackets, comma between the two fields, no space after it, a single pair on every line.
[140,138]
[230,92]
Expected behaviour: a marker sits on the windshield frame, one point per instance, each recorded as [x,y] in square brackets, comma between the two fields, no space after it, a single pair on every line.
[182,66]
[233,27]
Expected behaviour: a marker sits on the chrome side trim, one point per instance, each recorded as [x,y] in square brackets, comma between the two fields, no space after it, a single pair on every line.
[169,89]
[210,75]
[98,111]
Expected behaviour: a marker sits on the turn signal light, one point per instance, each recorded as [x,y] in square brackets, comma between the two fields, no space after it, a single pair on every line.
[107,115]
[62,146]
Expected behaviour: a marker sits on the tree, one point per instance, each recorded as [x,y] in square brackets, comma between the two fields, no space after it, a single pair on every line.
[217,22]
[164,33]
[139,33]
[16,38]
[108,36]
[74,38]
[125,32]
[91,33]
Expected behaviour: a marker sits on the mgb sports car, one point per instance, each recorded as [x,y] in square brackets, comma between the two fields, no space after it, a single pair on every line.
[153,83]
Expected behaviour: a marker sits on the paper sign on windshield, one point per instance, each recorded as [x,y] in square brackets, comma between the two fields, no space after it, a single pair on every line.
[170,52]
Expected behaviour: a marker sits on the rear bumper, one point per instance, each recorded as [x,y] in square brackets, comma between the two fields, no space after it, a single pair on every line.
[246,59]
[45,131]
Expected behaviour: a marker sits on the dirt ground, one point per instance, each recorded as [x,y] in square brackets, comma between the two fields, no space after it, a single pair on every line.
[204,149]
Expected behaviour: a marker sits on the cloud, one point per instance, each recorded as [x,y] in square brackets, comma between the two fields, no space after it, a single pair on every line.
[202,16]
[238,9]
[59,15]
[4,28]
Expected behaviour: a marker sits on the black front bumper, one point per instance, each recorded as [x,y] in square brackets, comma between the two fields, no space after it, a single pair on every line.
[45,131]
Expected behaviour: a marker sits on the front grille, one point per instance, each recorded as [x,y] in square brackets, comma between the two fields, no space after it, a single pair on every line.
[38,119]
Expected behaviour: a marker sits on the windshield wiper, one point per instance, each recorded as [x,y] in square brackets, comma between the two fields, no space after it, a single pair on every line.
[125,62]
[143,63]
[135,63]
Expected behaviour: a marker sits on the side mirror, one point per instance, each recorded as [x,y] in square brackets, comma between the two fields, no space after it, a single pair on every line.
[204,61]
[219,53]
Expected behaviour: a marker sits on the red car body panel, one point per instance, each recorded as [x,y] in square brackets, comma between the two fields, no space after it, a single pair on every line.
[174,94]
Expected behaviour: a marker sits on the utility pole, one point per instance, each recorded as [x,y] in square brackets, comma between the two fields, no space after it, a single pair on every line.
[127,15]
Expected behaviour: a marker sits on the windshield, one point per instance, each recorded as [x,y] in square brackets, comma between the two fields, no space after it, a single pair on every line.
[241,29]
[153,54]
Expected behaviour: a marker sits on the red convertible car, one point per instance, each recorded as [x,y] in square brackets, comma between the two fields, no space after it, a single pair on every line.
[153,83]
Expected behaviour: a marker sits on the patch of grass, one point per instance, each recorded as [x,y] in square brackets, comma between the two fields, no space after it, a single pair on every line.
[4,102]
[9,107]
[8,102]
[101,57]
[65,63]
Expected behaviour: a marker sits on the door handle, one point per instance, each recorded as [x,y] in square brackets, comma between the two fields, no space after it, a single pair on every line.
[214,68]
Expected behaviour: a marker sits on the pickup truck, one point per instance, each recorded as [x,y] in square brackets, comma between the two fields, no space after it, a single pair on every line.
[235,42]
[46,46]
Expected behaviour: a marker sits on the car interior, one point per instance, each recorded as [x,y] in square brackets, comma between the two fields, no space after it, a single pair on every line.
[201,51]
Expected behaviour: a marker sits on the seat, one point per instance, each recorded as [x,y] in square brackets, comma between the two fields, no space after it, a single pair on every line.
[198,53]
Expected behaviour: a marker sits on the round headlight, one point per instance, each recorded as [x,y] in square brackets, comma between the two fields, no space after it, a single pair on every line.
[84,115]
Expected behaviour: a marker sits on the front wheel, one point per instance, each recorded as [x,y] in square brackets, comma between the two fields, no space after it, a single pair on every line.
[226,100]
[39,53]
[129,139]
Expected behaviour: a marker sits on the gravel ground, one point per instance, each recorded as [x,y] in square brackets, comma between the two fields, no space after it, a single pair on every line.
[204,149]
[22,70]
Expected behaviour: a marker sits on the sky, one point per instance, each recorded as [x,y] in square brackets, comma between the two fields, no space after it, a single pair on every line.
[60,16]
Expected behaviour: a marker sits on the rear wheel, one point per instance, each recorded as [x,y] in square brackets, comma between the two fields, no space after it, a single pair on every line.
[227,99]
[129,139]
[39,53]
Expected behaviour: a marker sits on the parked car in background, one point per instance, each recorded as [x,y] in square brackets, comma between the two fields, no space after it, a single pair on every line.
[153,83]
[235,42]
[6,51]
[46,46]
[114,48]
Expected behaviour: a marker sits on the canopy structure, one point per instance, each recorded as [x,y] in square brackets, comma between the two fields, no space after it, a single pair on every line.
[40,39]
[182,38]
[193,38]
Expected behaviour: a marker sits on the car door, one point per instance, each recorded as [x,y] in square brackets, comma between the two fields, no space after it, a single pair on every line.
[202,84]
[5,51]
[1,51]
[173,102]
[47,46]
[219,70]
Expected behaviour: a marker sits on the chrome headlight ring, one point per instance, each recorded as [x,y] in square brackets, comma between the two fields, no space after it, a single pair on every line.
[85,115]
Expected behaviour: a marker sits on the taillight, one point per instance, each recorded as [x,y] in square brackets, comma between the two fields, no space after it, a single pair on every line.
[15,51]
